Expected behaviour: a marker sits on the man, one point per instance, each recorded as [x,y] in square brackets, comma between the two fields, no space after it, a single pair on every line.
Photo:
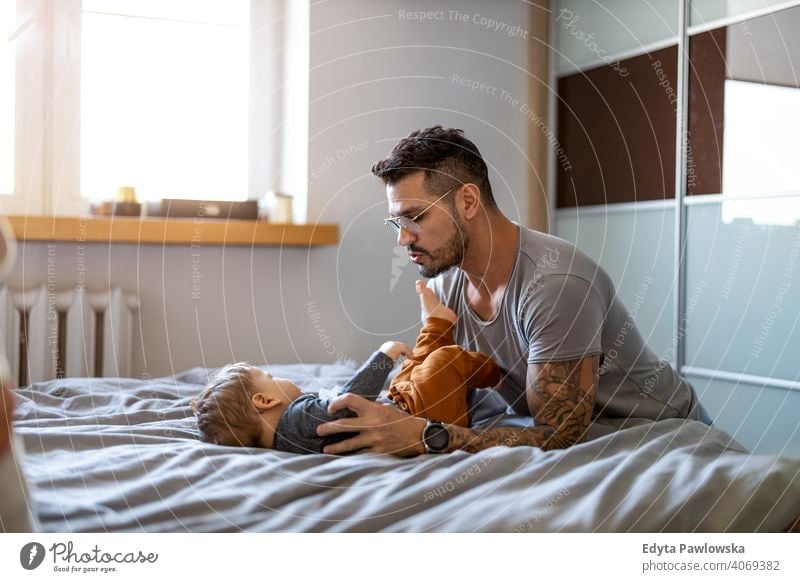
[545,312]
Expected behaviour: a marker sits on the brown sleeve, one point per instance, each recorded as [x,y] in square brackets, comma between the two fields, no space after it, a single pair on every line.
[435,334]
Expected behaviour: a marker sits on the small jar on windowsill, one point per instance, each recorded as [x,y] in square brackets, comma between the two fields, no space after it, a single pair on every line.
[125,204]
[275,208]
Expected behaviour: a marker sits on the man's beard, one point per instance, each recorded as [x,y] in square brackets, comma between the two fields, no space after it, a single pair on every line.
[450,255]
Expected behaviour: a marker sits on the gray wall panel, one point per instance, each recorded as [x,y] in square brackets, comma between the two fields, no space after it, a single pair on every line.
[747,313]
[762,418]
[636,248]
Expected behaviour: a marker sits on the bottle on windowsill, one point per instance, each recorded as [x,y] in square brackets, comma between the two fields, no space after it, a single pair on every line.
[126,203]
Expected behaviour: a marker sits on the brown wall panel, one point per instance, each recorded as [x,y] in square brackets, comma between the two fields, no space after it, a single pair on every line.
[706,112]
[618,132]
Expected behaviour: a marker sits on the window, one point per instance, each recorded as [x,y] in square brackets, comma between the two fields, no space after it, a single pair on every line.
[745,117]
[760,139]
[168,116]
[7,96]
[177,98]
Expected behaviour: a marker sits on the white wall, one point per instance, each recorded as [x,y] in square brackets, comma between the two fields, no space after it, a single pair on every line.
[377,75]
[374,77]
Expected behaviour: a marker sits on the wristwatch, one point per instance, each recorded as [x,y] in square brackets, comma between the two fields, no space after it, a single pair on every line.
[435,437]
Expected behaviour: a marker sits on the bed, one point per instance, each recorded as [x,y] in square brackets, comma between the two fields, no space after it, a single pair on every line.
[123,455]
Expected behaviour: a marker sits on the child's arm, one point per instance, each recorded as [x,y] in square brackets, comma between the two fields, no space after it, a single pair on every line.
[370,378]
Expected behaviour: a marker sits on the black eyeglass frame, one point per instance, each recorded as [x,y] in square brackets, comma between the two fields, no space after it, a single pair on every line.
[410,224]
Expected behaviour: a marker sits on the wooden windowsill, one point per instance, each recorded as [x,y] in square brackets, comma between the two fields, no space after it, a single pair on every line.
[172,231]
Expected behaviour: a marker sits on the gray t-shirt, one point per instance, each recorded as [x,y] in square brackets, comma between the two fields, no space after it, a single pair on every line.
[561,305]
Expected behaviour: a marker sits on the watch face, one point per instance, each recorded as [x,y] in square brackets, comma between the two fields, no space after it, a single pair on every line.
[436,438]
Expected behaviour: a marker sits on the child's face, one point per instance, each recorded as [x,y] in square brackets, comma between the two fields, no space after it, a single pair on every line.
[278,388]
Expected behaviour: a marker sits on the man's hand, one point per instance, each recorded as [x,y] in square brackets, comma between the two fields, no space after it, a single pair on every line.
[560,396]
[381,428]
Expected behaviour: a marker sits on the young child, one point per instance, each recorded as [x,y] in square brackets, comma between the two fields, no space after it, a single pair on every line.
[245,406]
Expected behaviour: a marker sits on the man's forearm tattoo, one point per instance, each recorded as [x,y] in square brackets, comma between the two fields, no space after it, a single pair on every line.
[472,441]
[561,399]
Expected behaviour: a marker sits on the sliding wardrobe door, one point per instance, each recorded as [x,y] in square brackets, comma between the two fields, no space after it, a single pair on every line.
[743,222]
[733,322]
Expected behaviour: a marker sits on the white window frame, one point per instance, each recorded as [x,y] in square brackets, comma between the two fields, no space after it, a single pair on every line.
[29,128]
[48,88]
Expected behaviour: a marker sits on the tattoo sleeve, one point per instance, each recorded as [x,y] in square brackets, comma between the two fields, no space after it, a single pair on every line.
[561,399]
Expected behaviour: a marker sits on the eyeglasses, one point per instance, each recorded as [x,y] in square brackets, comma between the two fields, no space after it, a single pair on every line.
[410,224]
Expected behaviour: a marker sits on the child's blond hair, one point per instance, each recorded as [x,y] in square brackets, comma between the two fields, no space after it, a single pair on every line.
[225,414]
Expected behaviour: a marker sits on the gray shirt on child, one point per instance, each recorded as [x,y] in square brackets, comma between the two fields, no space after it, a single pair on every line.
[297,428]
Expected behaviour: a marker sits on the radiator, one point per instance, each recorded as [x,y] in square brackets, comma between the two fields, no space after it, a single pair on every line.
[47,333]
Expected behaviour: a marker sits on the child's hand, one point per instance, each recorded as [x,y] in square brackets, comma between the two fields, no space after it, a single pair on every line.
[431,306]
[395,349]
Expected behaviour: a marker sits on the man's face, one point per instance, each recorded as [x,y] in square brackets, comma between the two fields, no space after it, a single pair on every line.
[442,239]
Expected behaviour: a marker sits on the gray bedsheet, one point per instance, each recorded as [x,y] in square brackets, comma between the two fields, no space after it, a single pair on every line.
[124,455]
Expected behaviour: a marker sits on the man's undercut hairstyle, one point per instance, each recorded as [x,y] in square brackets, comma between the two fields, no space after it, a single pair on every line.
[445,155]
[225,414]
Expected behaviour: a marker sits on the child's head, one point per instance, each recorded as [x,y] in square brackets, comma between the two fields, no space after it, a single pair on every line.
[241,406]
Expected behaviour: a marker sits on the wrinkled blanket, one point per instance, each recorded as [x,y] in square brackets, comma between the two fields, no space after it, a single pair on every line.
[124,455]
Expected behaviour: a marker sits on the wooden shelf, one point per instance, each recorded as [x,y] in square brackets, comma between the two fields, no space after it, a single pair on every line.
[173,231]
